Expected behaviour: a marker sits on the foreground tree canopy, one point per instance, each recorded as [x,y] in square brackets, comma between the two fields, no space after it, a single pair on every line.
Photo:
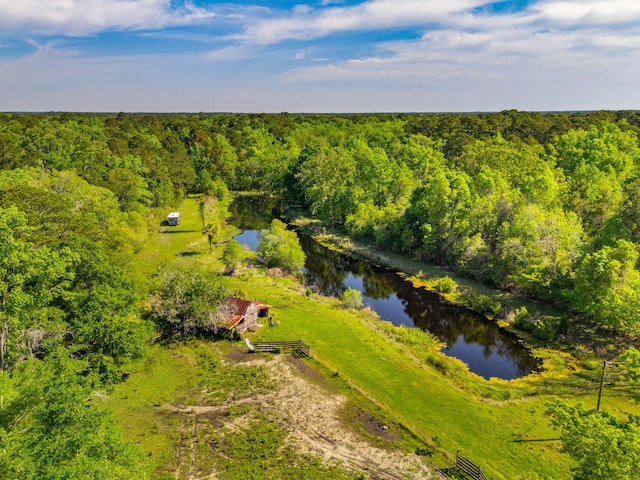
[544,204]
[602,445]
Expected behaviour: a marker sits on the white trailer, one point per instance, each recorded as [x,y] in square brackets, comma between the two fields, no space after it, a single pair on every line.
[173,219]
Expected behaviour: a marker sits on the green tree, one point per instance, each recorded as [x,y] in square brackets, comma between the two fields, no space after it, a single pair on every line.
[186,300]
[232,254]
[210,230]
[51,428]
[597,162]
[279,247]
[629,362]
[327,179]
[607,286]
[538,249]
[30,279]
[601,445]
[206,208]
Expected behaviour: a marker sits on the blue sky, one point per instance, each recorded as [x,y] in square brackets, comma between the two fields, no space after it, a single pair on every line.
[319,56]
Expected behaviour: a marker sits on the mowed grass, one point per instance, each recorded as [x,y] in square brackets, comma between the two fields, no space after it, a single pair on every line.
[500,425]
[426,401]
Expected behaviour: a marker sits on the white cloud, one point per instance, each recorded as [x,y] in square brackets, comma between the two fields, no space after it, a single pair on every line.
[514,48]
[588,12]
[232,52]
[560,53]
[375,14]
[87,17]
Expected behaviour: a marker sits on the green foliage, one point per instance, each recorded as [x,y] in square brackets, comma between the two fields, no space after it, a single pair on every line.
[445,285]
[31,280]
[601,445]
[522,318]
[544,204]
[210,230]
[352,298]
[544,330]
[481,303]
[629,362]
[186,300]
[514,199]
[279,247]
[607,286]
[232,254]
[51,429]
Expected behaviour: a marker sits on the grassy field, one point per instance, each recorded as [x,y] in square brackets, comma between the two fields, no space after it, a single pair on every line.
[398,373]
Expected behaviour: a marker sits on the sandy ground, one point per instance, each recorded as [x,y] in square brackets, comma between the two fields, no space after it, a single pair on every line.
[310,415]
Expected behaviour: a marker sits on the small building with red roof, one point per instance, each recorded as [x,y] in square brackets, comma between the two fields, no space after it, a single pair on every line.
[241,315]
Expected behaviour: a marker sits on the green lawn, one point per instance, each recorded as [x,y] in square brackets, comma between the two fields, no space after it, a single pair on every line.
[500,425]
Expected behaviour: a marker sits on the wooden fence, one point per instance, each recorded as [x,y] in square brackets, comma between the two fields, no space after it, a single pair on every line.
[297,347]
[463,467]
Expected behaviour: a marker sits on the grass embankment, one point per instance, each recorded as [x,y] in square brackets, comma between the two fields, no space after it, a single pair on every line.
[396,373]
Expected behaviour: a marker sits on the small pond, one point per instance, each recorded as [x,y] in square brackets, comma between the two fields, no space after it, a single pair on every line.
[488,350]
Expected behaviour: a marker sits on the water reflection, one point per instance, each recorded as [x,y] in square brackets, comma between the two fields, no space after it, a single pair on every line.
[487,350]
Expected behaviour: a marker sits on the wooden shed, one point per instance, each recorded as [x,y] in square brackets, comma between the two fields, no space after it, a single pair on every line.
[241,314]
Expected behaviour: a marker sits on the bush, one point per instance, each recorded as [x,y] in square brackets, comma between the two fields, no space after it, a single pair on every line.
[523,320]
[352,298]
[482,303]
[445,285]
[544,331]
[186,299]
[232,254]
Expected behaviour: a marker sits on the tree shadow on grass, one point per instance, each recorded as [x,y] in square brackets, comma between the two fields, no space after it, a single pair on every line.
[187,254]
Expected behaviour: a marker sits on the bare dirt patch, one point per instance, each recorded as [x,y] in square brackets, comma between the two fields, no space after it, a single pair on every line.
[239,356]
[310,414]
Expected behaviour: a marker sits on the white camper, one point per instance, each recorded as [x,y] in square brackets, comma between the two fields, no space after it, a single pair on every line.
[173,219]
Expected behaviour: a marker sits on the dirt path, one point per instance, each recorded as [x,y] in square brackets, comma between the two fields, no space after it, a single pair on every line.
[310,415]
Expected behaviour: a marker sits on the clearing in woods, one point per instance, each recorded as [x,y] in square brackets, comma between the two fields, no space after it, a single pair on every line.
[303,406]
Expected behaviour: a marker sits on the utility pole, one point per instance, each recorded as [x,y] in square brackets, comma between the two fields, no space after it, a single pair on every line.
[604,366]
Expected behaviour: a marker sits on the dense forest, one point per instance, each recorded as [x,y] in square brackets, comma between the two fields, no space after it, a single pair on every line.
[546,204]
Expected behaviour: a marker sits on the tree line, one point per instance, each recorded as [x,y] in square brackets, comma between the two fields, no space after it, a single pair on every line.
[546,204]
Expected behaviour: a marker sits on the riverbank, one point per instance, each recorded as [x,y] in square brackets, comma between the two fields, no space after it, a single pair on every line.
[547,329]
[390,376]
[424,274]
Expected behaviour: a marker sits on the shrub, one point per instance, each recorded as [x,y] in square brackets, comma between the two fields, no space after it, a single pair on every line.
[445,285]
[232,254]
[523,320]
[482,303]
[352,298]
[544,331]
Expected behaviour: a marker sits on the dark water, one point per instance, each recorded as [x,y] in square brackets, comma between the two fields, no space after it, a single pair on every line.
[487,350]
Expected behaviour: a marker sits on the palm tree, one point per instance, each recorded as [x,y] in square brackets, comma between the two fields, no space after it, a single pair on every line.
[210,230]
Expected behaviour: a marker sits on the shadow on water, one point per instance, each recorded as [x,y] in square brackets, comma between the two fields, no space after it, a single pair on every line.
[488,350]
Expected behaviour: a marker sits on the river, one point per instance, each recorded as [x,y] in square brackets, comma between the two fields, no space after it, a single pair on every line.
[480,343]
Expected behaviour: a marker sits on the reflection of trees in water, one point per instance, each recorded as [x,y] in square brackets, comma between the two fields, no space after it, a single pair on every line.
[376,286]
[449,322]
[254,212]
[327,271]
